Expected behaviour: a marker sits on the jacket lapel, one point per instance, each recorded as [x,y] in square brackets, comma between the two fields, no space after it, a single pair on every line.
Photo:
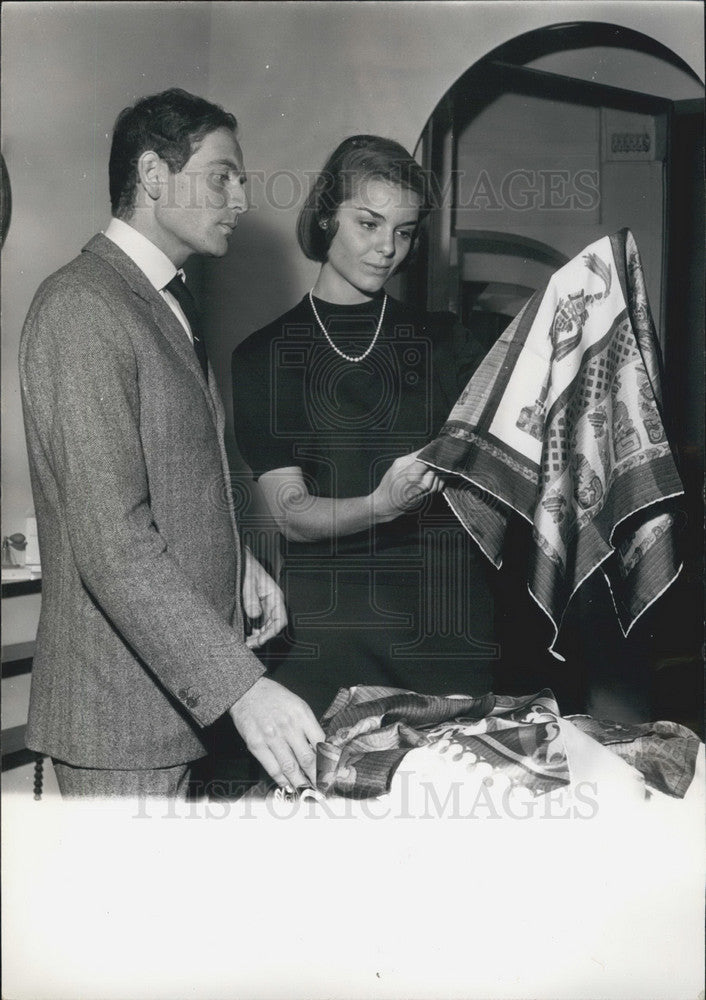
[165,320]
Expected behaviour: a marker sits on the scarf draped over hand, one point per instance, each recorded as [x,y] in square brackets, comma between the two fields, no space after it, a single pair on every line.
[562,423]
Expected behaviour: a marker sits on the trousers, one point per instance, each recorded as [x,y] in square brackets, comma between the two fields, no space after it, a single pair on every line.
[94,782]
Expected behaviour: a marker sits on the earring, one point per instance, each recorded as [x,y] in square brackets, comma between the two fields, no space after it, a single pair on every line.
[324,223]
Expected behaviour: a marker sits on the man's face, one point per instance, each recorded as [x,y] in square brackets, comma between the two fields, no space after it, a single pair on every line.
[199,206]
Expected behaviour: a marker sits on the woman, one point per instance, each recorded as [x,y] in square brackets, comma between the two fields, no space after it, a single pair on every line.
[332,401]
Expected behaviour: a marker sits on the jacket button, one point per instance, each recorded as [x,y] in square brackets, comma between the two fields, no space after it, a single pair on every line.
[190,696]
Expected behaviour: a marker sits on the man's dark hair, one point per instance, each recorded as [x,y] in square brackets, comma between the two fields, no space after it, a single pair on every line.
[358,158]
[171,124]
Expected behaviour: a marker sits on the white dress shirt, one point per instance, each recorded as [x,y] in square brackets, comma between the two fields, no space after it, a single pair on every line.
[154,264]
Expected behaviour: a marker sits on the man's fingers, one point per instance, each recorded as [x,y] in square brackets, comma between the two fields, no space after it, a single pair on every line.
[290,773]
[312,730]
[283,764]
[290,761]
[295,749]
[270,763]
[251,605]
[306,759]
[259,636]
[273,613]
[268,630]
[280,730]
[275,617]
[251,601]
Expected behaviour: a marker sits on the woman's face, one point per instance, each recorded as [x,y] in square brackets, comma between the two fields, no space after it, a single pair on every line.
[375,232]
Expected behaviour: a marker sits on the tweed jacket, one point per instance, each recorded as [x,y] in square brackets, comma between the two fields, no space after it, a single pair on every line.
[140,642]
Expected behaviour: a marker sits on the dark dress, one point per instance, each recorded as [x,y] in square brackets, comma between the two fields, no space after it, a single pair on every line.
[406,603]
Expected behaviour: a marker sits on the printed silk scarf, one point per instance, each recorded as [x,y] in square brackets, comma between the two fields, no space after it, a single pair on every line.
[562,424]
[370,730]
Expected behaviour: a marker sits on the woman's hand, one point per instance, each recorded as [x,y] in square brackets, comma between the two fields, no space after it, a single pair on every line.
[404,484]
[303,517]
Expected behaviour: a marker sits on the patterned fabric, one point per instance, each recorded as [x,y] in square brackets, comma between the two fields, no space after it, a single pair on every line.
[562,424]
[369,731]
[664,752]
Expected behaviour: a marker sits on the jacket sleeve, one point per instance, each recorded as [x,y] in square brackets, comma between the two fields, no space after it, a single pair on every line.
[80,380]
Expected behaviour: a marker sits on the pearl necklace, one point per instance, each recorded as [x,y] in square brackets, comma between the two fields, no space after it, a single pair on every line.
[348,357]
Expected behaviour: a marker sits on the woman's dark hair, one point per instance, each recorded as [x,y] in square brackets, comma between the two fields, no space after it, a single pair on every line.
[171,124]
[358,158]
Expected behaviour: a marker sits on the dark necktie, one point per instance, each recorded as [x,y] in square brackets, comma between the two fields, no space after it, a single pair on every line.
[188,306]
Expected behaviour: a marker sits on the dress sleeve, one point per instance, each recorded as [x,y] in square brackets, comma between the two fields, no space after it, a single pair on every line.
[262,408]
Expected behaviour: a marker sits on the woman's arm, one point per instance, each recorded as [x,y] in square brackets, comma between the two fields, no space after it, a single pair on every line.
[303,517]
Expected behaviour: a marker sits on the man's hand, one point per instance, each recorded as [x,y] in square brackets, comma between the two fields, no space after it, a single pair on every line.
[263,600]
[281,731]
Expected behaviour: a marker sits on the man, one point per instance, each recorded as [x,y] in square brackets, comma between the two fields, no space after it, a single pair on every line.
[140,641]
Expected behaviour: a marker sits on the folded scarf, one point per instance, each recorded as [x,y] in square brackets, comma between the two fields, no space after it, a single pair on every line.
[370,730]
[562,424]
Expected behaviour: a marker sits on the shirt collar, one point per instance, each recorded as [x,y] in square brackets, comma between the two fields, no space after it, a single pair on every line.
[155,265]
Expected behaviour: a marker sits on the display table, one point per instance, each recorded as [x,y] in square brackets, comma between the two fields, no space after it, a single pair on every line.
[252,900]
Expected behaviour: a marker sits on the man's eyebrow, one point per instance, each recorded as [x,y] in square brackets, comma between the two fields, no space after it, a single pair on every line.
[227,163]
[377,215]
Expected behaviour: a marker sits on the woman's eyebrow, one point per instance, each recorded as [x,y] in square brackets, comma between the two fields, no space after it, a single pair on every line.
[377,215]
